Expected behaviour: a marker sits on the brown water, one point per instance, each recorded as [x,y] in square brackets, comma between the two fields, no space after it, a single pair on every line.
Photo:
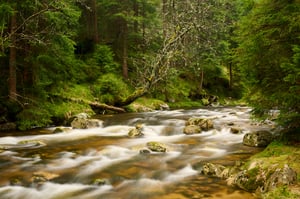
[72,161]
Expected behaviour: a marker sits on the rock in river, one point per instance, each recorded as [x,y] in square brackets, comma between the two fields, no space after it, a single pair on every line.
[156,147]
[258,138]
[192,129]
[204,123]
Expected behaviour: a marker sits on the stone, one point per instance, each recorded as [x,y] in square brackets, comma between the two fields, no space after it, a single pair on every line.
[99,182]
[156,147]
[136,132]
[133,133]
[82,123]
[213,169]
[235,130]
[58,130]
[280,177]
[192,129]
[145,151]
[258,139]
[164,107]
[204,123]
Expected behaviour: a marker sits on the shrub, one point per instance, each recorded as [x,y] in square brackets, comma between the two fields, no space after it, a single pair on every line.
[110,89]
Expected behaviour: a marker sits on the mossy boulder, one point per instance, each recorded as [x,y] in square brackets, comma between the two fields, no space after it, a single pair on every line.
[280,177]
[136,132]
[60,130]
[156,147]
[260,179]
[204,123]
[99,182]
[192,129]
[215,170]
[84,123]
[236,130]
[258,139]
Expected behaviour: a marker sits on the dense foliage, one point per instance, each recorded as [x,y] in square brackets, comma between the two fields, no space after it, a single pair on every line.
[268,57]
[58,55]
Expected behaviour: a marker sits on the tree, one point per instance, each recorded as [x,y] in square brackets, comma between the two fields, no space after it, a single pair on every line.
[268,56]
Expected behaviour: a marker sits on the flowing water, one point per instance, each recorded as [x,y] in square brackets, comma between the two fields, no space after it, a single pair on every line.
[105,163]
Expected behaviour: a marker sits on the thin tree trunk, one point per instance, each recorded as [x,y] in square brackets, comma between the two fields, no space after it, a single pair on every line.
[164,14]
[230,76]
[125,53]
[95,22]
[13,60]
[201,80]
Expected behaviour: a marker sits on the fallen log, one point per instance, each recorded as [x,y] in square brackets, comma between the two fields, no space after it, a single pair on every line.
[95,105]
[106,107]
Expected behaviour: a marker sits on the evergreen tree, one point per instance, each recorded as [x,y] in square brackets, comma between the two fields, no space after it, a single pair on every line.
[268,56]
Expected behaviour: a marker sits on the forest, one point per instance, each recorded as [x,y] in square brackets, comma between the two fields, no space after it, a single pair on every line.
[63,57]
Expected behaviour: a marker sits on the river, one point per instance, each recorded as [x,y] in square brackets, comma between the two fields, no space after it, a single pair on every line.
[105,163]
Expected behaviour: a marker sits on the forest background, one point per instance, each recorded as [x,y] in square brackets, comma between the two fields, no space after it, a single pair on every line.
[62,57]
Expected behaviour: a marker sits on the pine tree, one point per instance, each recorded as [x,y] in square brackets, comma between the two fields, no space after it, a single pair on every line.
[268,56]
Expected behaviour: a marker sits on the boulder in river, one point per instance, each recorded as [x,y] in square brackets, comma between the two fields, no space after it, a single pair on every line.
[204,123]
[156,147]
[99,182]
[258,138]
[215,170]
[60,130]
[236,130]
[85,123]
[192,129]
[136,132]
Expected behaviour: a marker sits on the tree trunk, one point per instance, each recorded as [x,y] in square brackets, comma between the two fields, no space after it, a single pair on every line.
[13,60]
[95,22]
[164,14]
[230,76]
[201,80]
[125,53]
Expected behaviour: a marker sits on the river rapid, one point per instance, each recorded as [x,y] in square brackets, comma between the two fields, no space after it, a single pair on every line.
[105,163]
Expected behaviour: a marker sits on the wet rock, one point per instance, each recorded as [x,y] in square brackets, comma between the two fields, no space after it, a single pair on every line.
[82,123]
[31,143]
[247,180]
[38,180]
[60,130]
[236,130]
[204,123]
[156,147]
[145,151]
[99,182]
[230,124]
[46,175]
[258,139]
[136,132]
[16,182]
[192,129]
[213,169]
[164,107]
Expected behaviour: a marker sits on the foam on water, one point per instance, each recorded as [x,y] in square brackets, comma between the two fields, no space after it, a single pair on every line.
[53,190]
[180,174]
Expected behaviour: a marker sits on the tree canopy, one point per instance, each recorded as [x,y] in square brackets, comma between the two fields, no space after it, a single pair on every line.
[62,57]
